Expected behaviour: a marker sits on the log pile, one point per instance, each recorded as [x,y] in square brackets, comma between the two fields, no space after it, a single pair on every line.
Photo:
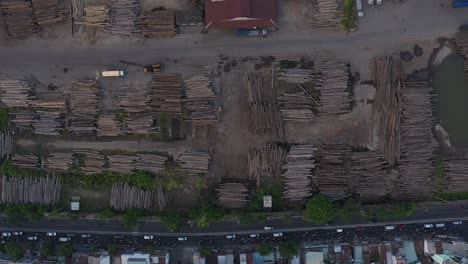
[140,124]
[84,97]
[25,161]
[92,162]
[417,142]
[294,75]
[265,162]
[201,101]
[19,18]
[457,170]
[151,163]
[22,119]
[49,123]
[232,195]
[134,100]
[124,17]
[48,12]
[194,161]
[59,161]
[6,144]
[121,164]
[124,196]
[325,13]
[368,170]
[161,197]
[107,126]
[159,24]
[15,91]
[296,107]
[297,172]
[92,15]
[82,125]
[31,190]
[332,81]
[166,93]
[50,100]
[333,176]
[387,74]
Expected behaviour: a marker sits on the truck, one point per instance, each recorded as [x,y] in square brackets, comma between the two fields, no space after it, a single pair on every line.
[460,3]
[252,32]
[360,13]
[116,73]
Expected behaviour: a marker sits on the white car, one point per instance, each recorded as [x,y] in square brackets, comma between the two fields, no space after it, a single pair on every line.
[388,228]
[379,2]
[268,228]
[428,225]
[339,230]
[17,233]
[64,239]
[370,2]
[231,236]
[32,238]
[148,237]
[440,225]
[278,234]
[85,235]
[254,235]
[51,234]
[182,238]
[6,234]
[457,222]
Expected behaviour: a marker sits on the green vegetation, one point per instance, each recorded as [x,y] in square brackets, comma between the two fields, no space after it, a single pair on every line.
[288,249]
[4,119]
[106,214]
[451,196]
[112,249]
[348,16]
[14,250]
[149,249]
[132,217]
[140,179]
[319,210]
[398,210]
[47,249]
[21,213]
[205,213]
[172,183]
[439,175]
[350,208]
[174,220]
[121,116]
[276,193]
[65,250]
[252,218]
[205,251]
[163,127]
[264,249]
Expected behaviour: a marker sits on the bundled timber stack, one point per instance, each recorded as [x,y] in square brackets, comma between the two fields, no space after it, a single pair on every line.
[201,100]
[107,126]
[134,100]
[388,77]
[194,161]
[298,169]
[333,176]
[91,15]
[265,162]
[49,123]
[325,13]
[151,163]
[84,97]
[457,170]
[166,93]
[48,12]
[461,39]
[25,161]
[22,119]
[140,124]
[124,196]
[92,161]
[50,100]
[159,24]
[296,107]
[232,195]
[60,161]
[264,115]
[417,142]
[121,164]
[15,91]
[19,18]
[294,75]
[124,17]
[368,169]
[6,144]
[82,125]
[332,80]
[161,197]
[31,190]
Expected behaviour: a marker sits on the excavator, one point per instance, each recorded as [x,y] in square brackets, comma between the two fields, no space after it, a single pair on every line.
[146,68]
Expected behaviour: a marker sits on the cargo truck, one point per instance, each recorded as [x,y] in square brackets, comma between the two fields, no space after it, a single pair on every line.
[120,73]
[360,13]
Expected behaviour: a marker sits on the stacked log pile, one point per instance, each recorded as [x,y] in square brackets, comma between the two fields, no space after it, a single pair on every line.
[368,170]
[333,176]
[166,93]
[296,107]
[151,163]
[194,161]
[121,164]
[325,13]
[332,81]
[49,123]
[19,18]
[140,124]
[264,115]
[294,75]
[300,162]
[387,74]
[15,91]
[6,144]
[31,190]
[232,195]
[90,15]
[60,161]
[50,100]
[265,162]
[461,39]
[159,24]
[201,100]
[48,12]
[93,161]
[124,196]
[82,125]
[161,197]
[134,100]
[83,106]
[457,170]
[124,17]
[22,119]
[25,161]
[107,126]
[417,142]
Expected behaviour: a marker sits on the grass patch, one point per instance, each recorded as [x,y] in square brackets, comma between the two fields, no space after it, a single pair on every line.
[452,196]
[348,15]
[4,119]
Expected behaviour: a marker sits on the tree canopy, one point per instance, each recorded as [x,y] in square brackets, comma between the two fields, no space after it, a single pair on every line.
[319,210]
[174,220]
[264,249]
[288,249]
[206,213]
[65,250]
[132,217]
[13,250]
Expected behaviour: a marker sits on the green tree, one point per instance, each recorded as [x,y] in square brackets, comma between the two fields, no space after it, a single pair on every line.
[13,250]
[205,213]
[112,249]
[264,249]
[132,217]
[4,119]
[149,249]
[47,249]
[288,249]
[319,210]
[351,207]
[65,250]
[174,220]
[205,251]
[106,214]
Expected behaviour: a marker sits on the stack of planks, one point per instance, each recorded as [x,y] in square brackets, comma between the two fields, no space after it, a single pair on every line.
[332,80]
[107,126]
[159,24]
[201,100]
[194,161]
[93,161]
[90,15]
[265,162]
[83,106]
[461,39]
[387,74]
[232,195]
[151,163]
[295,75]
[49,123]
[60,161]
[48,12]
[124,17]
[325,13]
[264,115]
[22,118]
[6,144]
[124,196]
[50,100]
[333,177]
[296,107]
[31,190]
[457,170]
[19,18]
[368,171]
[121,164]
[134,100]
[15,91]
[297,172]
[140,124]
[417,141]
[25,161]
[166,93]
[82,125]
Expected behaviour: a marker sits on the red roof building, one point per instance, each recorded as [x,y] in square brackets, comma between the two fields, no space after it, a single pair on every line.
[240,13]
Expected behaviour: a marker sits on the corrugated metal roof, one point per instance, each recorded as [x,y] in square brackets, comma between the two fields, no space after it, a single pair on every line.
[410,251]
[314,257]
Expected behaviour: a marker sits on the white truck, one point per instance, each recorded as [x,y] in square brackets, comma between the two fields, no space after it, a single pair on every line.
[360,13]
[119,73]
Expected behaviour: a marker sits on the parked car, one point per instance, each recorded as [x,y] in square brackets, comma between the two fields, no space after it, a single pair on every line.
[277,234]
[457,222]
[428,225]
[6,234]
[440,225]
[360,229]
[17,233]
[268,228]
[64,239]
[389,227]
[32,238]
[51,234]
[85,235]
[402,226]
[182,238]
[379,2]
[254,235]
[148,237]
[231,236]
[339,230]
[370,2]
